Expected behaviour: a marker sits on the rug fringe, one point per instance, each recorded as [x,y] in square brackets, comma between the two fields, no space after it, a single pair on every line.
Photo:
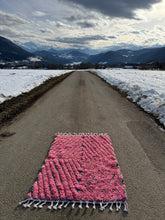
[40,203]
[65,133]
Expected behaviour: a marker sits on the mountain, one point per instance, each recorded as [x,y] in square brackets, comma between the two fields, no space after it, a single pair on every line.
[51,57]
[74,56]
[129,56]
[62,57]
[11,52]
[32,47]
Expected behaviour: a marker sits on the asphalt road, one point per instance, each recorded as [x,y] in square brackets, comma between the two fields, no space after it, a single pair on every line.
[84,103]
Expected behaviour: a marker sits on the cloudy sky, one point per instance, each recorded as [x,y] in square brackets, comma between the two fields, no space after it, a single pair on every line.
[94,24]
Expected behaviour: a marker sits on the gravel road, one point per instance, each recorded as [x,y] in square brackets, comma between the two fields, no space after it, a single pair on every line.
[84,103]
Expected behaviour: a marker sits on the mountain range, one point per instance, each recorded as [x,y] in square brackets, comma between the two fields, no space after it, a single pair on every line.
[129,56]
[9,51]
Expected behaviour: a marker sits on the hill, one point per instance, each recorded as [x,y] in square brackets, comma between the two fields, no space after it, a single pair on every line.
[62,57]
[11,52]
[129,56]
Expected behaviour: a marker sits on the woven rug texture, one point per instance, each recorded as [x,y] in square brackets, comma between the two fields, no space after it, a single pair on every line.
[79,169]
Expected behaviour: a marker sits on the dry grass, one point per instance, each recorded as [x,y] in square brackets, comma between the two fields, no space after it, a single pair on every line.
[11,108]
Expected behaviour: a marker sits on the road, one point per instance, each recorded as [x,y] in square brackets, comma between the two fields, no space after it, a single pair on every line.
[84,103]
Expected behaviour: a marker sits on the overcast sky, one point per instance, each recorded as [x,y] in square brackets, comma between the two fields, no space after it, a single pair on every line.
[94,24]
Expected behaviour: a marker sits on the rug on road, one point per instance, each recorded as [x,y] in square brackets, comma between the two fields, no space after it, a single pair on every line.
[79,169]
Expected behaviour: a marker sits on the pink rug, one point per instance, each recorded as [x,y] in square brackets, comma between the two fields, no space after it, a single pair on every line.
[79,169]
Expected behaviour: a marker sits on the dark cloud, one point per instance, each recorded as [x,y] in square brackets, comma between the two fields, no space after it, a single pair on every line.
[82,20]
[85,24]
[78,40]
[118,8]
[111,37]
[75,18]
[43,31]
[10,19]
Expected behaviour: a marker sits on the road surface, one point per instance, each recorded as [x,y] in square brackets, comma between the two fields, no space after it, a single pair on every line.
[84,103]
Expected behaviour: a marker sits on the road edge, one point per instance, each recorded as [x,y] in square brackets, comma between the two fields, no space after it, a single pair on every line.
[9,109]
[124,94]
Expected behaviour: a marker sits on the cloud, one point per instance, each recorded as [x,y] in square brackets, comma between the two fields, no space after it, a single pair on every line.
[60,24]
[57,24]
[73,18]
[10,32]
[118,8]
[39,13]
[78,40]
[46,30]
[80,22]
[111,37]
[11,19]
[78,17]
[85,24]
[135,32]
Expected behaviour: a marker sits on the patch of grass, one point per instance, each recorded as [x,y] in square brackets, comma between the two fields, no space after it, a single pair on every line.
[12,107]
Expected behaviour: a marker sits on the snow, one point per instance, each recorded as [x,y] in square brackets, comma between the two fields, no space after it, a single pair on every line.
[146,88]
[34,59]
[14,82]
[66,56]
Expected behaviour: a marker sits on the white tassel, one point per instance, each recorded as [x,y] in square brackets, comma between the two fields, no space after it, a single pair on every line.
[117,207]
[60,206]
[28,206]
[80,206]
[51,205]
[55,206]
[41,206]
[111,207]
[101,207]
[87,204]
[73,205]
[20,203]
[66,204]
[125,207]
[36,205]
[74,133]
[105,205]
[94,205]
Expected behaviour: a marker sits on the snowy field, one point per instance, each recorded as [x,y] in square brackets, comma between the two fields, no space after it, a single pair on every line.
[146,88]
[15,82]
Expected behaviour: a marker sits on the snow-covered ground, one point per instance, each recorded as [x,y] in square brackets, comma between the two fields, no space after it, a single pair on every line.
[146,88]
[14,82]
